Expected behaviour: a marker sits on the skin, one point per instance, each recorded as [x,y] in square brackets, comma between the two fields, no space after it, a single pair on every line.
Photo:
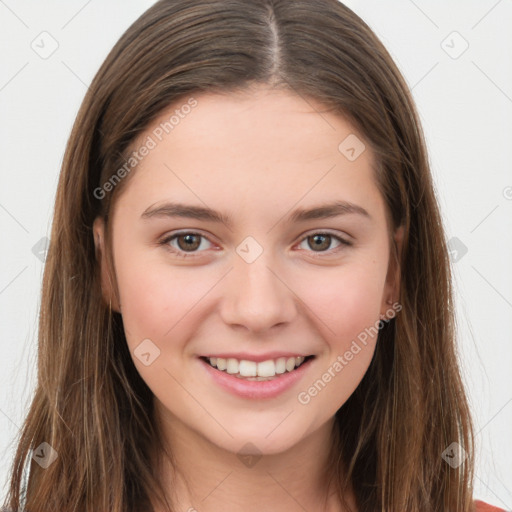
[253,156]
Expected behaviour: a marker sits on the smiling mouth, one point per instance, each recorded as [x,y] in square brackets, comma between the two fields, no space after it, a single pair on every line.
[251,370]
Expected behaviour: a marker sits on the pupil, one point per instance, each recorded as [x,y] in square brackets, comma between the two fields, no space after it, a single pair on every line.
[321,239]
[189,241]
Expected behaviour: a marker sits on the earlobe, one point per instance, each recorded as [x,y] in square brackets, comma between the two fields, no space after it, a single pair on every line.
[101,258]
[399,239]
[393,279]
[97,231]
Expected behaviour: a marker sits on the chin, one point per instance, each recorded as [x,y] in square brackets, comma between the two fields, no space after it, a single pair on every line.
[267,438]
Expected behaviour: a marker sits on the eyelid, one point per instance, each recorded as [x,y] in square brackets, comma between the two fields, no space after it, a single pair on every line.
[345,237]
[343,242]
[173,235]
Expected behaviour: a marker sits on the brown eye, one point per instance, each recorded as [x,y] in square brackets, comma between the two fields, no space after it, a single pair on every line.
[322,242]
[188,242]
[319,242]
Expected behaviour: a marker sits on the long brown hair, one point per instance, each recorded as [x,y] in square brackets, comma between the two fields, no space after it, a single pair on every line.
[92,406]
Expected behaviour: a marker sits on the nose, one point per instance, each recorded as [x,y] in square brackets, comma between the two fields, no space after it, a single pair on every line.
[256,297]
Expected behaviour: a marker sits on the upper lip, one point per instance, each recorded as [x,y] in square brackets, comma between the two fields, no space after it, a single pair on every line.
[258,358]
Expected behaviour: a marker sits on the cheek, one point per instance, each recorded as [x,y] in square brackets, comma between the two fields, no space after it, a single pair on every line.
[347,303]
[159,301]
[144,299]
[150,298]
[157,304]
[346,300]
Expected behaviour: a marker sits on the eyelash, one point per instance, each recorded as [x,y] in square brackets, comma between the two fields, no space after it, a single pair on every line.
[183,254]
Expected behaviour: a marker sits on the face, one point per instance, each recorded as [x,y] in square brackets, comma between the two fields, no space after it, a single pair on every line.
[251,233]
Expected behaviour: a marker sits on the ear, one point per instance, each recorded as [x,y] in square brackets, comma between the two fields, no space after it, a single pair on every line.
[392,286]
[107,288]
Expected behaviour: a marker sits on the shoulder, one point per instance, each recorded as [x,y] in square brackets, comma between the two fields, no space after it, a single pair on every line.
[480,506]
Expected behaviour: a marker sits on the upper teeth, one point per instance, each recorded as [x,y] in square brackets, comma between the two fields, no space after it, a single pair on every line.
[246,368]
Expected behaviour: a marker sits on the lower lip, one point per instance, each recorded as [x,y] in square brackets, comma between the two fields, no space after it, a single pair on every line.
[257,389]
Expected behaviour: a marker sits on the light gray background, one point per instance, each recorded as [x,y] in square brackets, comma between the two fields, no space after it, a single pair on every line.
[465,103]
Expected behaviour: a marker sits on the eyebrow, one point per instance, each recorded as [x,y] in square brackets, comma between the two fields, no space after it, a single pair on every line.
[324,211]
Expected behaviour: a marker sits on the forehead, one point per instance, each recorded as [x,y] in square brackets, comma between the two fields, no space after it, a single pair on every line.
[259,148]
[258,120]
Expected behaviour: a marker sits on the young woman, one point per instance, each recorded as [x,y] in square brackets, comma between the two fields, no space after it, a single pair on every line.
[247,300]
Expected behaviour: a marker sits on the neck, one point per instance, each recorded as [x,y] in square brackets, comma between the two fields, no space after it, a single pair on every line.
[211,479]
